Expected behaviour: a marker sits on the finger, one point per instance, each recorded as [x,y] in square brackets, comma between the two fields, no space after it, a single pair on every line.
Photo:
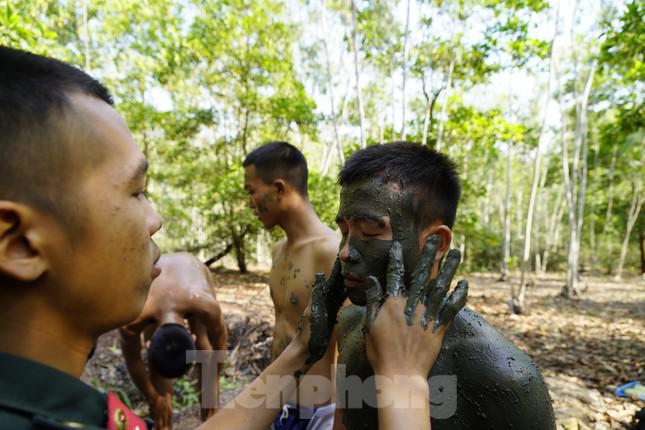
[374,294]
[453,304]
[335,276]
[395,270]
[420,276]
[438,287]
[318,321]
[336,288]
[318,295]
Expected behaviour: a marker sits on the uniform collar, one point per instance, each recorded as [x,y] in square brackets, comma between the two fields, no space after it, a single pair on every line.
[44,391]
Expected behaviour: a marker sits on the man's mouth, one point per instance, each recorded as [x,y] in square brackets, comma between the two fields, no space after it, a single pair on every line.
[156,269]
[352,280]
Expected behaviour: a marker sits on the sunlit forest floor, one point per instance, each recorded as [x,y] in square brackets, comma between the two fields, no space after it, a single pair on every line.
[585,348]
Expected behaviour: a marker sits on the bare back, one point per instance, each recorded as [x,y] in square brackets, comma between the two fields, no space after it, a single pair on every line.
[182,294]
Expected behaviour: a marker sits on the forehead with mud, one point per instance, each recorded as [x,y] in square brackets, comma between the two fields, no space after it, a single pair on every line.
[376,198]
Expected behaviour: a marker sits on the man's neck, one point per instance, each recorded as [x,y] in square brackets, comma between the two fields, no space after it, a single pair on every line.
[32,333]
[301,221]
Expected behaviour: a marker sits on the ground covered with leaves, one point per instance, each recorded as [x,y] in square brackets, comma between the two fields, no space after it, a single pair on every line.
[585,348]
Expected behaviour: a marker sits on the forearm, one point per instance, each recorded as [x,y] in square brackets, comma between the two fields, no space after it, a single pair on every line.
[137,369]
[258,404]
[403,402]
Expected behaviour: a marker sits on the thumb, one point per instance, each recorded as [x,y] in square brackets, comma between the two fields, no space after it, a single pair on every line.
[374,295]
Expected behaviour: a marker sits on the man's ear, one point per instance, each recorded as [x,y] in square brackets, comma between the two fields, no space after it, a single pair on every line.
[21,243]
[280,187]
[443,231]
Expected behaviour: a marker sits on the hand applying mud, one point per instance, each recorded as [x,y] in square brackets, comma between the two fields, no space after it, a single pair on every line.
[403,339]
[402,336]
[327,297]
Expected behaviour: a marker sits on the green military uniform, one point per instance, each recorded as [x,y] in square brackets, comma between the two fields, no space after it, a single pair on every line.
[34,396]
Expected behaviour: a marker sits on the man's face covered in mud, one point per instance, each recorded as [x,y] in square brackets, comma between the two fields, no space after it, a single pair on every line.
[372,214]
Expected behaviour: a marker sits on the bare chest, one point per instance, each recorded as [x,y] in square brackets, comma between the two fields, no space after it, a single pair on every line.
[290,281]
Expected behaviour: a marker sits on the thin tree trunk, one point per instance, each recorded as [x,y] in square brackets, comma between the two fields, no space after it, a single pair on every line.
[518,302]
[393,100]
[357,74]
[641,242]
[608,214]
[506,246]
[634,210]
[426,116]
[444,107]
[330,85]
[553,235]
[582,194]
[240,253]
[86,38]
[519,216]
[486,205]
[404,67]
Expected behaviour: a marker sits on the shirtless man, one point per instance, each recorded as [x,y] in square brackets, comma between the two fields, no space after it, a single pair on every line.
[402,194]
[77,260]
[275,176]
[180,299]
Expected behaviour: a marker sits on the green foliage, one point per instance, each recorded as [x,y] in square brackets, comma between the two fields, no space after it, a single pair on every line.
[184,393]
[203,82]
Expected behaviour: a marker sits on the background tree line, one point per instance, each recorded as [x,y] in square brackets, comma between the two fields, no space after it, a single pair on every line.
[539,102]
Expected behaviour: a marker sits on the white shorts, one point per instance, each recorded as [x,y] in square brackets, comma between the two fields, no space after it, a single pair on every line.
[296,417]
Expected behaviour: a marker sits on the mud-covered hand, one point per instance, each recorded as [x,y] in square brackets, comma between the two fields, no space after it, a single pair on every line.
[397,318]
[327,297]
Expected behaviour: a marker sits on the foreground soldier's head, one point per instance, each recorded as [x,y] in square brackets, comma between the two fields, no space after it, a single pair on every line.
[396,191]
[76,254]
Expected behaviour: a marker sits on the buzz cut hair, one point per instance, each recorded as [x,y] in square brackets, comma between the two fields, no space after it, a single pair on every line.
[280,160]
[36,115]
[430,175]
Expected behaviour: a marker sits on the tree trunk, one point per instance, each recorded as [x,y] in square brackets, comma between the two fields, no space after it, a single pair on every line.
[405,67]
[518,301]
[240,253]
[330,85]
[486,203]
[86,38]
[553,235]
[356,75]
[641,242]
[444,107]
[634,210]
[506,245]
[219,255]
[582,194]
[608,214]
[519,216]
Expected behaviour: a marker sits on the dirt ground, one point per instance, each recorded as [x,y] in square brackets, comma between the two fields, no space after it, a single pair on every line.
[585,348]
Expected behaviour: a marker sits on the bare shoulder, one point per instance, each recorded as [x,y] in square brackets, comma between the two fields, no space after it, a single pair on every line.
[279,247]
[491,367]
[326,250]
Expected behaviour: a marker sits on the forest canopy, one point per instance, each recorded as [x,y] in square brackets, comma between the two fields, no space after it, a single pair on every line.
[540,104]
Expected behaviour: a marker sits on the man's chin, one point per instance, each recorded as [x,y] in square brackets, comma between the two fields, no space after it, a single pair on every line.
[357,296]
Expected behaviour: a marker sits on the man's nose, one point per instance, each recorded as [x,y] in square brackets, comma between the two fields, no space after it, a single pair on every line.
[156,222]
[348,253]
[344,252]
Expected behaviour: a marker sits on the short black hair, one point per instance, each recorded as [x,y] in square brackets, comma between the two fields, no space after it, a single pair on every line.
[167,352]
[34,149]
[275,160]
[431,175]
